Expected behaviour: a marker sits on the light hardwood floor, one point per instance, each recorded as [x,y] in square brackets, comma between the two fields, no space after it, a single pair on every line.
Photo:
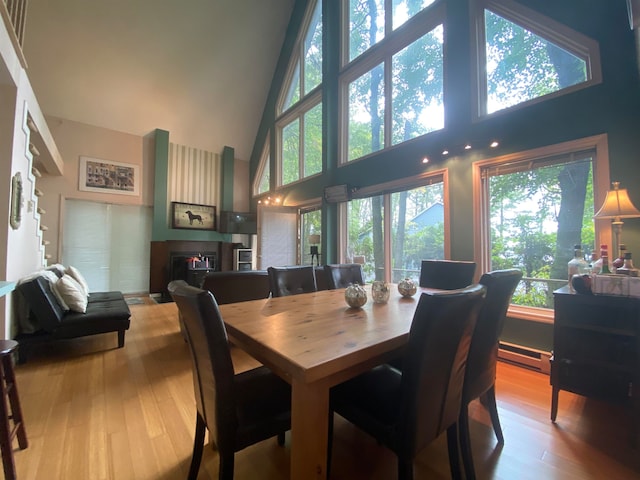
[93,411]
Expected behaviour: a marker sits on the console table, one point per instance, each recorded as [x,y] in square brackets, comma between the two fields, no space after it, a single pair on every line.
[596,349]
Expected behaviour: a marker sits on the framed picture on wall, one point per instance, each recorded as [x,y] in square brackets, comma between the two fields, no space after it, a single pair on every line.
[192,216]
[105,176]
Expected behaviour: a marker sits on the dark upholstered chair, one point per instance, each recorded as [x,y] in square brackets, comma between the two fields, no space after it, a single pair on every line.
[344,274]
[237,286]
[405,411]
[238,410]
[322,283]
[480,376]
[285,281]
[446,274]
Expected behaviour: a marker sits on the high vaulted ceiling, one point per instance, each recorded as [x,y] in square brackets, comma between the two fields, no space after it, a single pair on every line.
[200,69]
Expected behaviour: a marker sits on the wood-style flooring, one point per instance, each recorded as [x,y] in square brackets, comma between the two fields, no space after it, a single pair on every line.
[93,411]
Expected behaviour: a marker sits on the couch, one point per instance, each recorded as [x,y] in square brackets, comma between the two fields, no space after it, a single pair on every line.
[47,318]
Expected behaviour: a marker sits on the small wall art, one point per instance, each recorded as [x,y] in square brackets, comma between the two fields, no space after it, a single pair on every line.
[105,176]
[192,216]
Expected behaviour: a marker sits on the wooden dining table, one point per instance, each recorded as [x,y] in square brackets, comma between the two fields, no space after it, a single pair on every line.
[315,341]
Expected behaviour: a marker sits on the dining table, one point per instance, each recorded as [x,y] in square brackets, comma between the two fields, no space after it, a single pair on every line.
[315,341]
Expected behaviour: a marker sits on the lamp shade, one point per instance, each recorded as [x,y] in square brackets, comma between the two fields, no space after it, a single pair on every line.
[314,239]
[617,205]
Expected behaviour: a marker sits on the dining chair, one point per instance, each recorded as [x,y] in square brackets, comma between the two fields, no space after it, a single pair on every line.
[293,280]
[344,274]
[237,286]
[322,282]
[480,376]
[446,274]
[406,410]
[239,410]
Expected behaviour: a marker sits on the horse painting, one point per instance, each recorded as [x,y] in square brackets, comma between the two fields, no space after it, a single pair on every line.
[193,216]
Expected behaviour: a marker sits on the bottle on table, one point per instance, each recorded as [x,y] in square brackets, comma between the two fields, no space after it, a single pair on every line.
[618,262]
[596,264]
[604,255]
[627,267]
[577,265]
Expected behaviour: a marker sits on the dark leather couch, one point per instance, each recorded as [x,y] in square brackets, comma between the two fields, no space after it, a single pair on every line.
[106,312]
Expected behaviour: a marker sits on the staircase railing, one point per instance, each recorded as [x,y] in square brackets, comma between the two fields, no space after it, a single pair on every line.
[14,15]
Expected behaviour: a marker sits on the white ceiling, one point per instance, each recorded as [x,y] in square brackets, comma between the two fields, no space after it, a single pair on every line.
[200,69]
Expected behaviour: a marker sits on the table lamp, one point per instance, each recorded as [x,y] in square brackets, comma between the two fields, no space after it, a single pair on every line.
[314,240]
[617,206]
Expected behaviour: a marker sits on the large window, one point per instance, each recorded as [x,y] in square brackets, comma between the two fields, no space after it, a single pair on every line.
[391,234]
[526,56]
[262,182]
[299,125]
[535,208]
[394,92]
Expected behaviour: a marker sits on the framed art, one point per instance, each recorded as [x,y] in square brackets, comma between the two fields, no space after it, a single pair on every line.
[192,216]
[105,176]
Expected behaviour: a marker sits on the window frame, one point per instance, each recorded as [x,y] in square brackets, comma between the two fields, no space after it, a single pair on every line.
[263,164]
[382,52]
[385,190]
[298,110]
[574,42]
[482,231]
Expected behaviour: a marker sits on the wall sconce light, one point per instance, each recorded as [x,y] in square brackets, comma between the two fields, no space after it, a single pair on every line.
[617,205]
[314,240]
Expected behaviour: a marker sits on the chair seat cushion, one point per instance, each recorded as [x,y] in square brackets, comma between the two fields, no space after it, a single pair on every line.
[370,400]
[263,402]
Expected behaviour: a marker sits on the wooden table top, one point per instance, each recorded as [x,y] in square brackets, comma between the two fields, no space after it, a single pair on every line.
[316,335]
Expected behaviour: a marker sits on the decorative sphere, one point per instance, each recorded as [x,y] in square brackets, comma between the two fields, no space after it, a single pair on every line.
[355,296]
[380,291]
[407,288]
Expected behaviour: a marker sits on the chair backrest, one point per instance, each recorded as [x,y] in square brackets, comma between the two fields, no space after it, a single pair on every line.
[483,353]
[285,281]
[213,374]
[237,286]
[446,274]
[434,364]
[322,282]
[344,274]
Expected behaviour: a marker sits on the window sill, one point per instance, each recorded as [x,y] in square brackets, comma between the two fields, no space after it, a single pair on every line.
[533,314]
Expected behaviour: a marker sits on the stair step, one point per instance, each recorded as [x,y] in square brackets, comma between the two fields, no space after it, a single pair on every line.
[44,228]
[41,211]
[31,125]
[36,172]
[34,151]
[46,242]
[48,256]
[37,192]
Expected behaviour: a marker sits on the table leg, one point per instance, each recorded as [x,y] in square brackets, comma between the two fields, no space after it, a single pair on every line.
[309,430]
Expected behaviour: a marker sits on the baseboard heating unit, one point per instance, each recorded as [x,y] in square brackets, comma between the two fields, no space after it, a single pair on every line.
[525,356]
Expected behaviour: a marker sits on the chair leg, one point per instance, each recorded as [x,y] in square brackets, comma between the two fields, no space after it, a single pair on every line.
[465,443]
[329,443]
[226,466]
[490,397]
[405,468]
[454,453]
[198,444]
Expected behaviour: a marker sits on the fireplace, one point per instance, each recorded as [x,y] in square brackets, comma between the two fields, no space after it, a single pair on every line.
[192,267]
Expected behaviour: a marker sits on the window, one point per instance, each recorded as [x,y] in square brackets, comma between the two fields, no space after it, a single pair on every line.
[299,126]
[390,234]
[527,56]
[535,207]
[367,20]
[310,224]
[394,92]
[262,181]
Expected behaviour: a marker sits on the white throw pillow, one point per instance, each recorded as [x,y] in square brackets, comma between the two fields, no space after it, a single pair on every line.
[77,276]
[72,293]
[53,284]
